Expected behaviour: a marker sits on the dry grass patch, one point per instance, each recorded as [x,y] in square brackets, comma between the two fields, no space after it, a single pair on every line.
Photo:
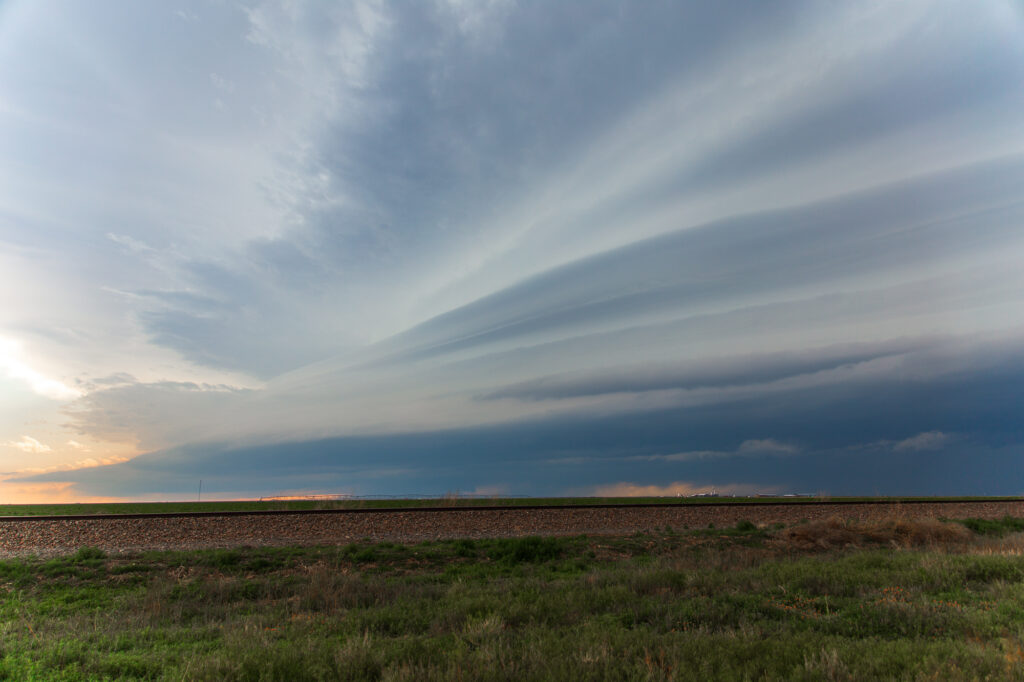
[1011,545]
[836,533]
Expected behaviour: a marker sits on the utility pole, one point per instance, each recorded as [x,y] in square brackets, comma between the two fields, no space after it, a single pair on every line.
[200,499]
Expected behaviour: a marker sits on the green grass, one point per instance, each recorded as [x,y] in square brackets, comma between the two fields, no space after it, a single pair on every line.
[727,604]
[270,505]
[994,527]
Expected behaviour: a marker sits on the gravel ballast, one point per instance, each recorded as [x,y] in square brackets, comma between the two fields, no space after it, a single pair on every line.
[55,536]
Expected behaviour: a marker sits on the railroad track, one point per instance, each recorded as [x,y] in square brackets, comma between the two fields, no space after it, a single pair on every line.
[804,502]
[53,535]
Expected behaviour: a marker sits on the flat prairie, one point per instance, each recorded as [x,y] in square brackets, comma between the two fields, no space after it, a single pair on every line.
[888,598]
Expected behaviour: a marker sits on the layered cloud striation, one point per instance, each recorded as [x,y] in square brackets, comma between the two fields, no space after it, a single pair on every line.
[408,249]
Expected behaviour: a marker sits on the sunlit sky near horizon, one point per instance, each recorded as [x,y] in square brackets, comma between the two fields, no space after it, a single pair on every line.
[507,247]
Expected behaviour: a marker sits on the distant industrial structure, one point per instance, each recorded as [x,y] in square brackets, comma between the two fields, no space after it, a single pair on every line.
[715,493]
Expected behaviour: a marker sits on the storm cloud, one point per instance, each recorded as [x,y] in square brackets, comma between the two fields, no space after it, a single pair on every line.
[409,248]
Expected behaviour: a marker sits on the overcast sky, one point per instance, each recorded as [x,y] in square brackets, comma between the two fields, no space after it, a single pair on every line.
[510,247]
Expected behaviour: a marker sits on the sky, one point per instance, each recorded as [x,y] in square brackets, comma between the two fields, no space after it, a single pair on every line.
[510,248]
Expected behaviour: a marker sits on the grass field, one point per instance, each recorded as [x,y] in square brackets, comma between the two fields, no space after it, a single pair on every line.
[450,501]
[826,600]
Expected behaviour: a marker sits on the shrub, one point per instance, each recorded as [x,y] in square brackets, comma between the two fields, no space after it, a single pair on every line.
[532,550]
[89,554]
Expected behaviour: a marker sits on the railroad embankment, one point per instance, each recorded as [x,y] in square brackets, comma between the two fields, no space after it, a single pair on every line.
[55,536]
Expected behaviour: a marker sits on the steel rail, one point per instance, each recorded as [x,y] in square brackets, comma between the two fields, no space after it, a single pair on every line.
[513,507]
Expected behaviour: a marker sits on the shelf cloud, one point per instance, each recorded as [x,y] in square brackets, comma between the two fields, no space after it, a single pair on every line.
[523,247]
